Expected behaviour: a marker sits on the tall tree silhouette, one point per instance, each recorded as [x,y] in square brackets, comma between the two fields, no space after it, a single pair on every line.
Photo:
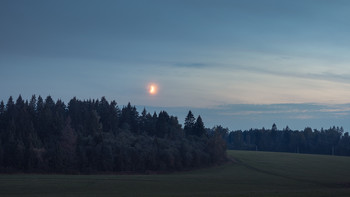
[189,123]
[199,129]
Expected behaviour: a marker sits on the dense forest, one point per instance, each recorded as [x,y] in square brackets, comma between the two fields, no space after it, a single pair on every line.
[94,136]
[332,141]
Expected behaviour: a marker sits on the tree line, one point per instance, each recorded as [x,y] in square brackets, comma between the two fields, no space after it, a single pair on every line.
[332,141]
[92,136]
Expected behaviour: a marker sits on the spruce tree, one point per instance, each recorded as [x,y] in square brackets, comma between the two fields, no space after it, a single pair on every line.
[199,129]
[189,123]
[2,107]
[10,104]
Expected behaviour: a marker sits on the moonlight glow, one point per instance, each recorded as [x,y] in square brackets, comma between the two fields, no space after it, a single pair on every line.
[152,89]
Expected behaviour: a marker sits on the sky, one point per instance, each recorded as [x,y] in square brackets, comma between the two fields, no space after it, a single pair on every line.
[237,63]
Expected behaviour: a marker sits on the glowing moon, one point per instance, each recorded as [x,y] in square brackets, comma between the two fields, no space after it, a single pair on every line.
[152,89]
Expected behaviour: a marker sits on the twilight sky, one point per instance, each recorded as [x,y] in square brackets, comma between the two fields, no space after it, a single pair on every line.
[239,63]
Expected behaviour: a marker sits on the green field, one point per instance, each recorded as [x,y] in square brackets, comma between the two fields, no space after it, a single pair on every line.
[251,174]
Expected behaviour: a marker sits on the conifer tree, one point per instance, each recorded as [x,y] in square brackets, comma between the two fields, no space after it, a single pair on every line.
[10,104]
[2,107]
[189,123]
[199,129]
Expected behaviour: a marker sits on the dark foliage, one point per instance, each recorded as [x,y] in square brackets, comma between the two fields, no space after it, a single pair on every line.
[94,136]
[332,141]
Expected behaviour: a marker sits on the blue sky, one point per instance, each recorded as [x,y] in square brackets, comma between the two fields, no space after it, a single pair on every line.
[224,59]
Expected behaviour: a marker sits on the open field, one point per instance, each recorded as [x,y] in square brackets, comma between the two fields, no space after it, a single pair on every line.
[252,174]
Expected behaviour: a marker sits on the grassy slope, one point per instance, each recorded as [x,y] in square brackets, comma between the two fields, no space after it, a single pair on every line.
[253,174]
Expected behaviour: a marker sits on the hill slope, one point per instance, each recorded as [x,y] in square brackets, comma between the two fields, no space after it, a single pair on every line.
[250,174]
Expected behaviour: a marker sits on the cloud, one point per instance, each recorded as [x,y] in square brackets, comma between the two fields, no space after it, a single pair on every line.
[276,109]
[325,66]
[329,76]
[302,117]
[191,65]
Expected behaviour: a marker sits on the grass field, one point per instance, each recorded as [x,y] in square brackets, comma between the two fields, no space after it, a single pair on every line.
[251,174]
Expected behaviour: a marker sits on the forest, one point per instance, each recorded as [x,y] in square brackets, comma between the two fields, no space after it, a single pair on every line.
[332,141]
[96,136]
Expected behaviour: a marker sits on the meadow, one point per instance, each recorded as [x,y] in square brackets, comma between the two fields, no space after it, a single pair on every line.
[248,174]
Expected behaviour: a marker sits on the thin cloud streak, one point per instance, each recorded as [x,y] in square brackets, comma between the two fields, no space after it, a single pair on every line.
[191,65]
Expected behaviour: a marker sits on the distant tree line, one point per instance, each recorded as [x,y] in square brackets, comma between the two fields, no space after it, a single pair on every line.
[92,136]
[332,141]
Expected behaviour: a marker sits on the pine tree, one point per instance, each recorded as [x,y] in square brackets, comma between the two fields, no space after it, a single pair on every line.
[2,107]
[115,115]
[2,112]
[143,120]
[199,129]
[40,105]
[162,125]
[189,123]
[19,102]
[274,127]
[10,104]
[32,106]
[130,118]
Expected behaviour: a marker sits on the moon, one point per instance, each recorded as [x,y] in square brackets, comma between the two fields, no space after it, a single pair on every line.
[152,89]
